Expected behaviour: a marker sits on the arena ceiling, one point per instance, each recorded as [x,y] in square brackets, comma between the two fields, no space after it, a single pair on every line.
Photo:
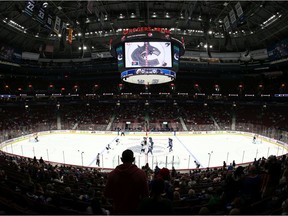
[95,23]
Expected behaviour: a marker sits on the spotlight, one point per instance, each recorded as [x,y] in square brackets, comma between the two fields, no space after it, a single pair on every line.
[45,4]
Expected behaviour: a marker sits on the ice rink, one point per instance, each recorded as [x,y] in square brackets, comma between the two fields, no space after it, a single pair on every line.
[208,150]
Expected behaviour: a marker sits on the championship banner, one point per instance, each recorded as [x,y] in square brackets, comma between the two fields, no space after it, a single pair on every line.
[63,36]
[49,22]
[57,25]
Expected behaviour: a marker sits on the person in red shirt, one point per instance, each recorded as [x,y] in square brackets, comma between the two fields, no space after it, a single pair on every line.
[126,185]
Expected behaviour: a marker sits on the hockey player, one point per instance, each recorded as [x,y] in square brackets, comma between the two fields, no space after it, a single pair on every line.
[117,141]
[122,133]
[197,164]
[108,147]
[254,139]
[170,144]
[150,149]
[142,148]
[36,138]
[145,140]
[98,159]
[150,140]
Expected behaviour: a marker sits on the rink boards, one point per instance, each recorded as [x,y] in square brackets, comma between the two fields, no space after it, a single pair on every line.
[209,148]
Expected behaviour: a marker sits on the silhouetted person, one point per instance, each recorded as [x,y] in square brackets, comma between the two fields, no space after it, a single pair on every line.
[126,185]
[41,161]
[156,204]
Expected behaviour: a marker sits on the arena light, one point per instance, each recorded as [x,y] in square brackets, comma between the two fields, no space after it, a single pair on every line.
[132,16]
[121,16]
[45,4]
[154,15]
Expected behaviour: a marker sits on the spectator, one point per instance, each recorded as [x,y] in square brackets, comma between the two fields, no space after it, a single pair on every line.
[204,211]
[126,185]
[41,161]
[173,172]
[235,211]
[164,173]
[284,207]
[156,204]
[176,196]
[251,185]
[96,208]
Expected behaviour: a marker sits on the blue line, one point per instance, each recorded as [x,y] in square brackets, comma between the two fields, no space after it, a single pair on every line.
[94,160]
[195,159]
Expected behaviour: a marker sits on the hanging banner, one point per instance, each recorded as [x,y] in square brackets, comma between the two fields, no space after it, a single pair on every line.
[49,22]
[57,25]
[70,36]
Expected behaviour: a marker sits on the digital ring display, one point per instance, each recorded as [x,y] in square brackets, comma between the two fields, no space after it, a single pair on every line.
[148,76]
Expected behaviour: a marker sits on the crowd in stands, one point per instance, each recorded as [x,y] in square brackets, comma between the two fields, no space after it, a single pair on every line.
[134,113]
[268,120]
[37,187]
[32,186]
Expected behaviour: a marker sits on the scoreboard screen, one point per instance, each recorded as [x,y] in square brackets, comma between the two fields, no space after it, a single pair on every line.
[148,54]
[120,59]
[147,57]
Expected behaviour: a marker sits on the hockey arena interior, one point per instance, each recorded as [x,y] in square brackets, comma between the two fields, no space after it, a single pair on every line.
[192,94]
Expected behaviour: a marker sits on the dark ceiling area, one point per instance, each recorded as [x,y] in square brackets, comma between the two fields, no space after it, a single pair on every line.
[96,23]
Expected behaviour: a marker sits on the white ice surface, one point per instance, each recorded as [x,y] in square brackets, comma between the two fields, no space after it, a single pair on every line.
[81,149]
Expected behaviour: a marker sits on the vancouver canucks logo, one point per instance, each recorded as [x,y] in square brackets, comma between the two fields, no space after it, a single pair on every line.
[146,55]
